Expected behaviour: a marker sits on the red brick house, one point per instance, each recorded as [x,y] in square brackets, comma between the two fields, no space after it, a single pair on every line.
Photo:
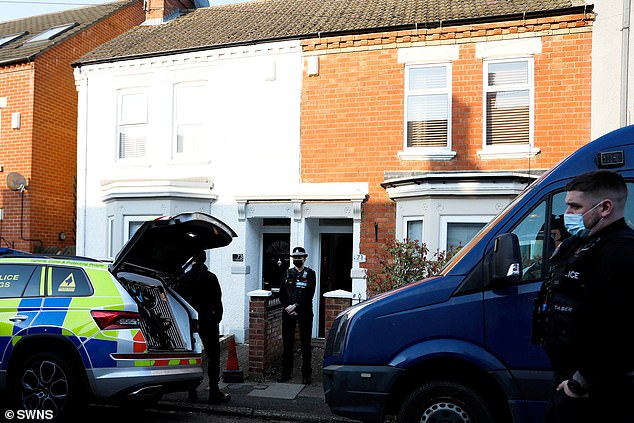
[38,118]
[446,118]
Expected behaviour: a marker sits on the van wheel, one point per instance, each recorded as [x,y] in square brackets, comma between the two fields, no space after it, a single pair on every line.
[445,401]
[46,382]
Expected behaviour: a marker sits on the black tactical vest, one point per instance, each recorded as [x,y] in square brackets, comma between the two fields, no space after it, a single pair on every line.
[296,284]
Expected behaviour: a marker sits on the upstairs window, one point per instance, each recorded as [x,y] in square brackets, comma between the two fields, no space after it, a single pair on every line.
[508,107]
[132,124]
[428,106]
[188,119]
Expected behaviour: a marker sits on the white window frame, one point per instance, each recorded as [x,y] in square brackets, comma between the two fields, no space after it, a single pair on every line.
[199,149]
[445,220]
[407,220]
[140,123]
[127,219]
[110,253]
[516,150]
[428,153]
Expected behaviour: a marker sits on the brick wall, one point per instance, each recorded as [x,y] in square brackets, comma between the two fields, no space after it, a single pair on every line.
[352,111]
[265,327]
[44,148]
[16,85]
[265,333]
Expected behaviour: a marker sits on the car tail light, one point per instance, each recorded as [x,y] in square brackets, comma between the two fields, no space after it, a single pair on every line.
[114,319]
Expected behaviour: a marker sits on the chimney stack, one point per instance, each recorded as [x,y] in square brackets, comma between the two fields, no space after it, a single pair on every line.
[161,10]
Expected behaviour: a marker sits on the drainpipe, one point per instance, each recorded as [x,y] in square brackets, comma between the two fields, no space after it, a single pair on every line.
[625,58]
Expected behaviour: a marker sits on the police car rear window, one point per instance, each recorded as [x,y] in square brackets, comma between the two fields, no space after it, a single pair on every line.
[68,282]
[13,279]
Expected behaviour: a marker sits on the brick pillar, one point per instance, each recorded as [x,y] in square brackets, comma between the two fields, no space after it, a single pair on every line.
[335,302]
[257,331]
[265,331]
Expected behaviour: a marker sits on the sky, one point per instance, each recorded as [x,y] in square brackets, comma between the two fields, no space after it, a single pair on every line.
[16,9]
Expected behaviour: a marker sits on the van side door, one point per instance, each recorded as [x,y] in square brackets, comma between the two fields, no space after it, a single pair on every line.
[508,309]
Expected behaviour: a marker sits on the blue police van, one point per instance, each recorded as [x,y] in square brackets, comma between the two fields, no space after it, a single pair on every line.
[457,347]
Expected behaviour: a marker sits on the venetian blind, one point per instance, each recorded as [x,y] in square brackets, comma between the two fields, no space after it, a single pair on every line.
[508,103]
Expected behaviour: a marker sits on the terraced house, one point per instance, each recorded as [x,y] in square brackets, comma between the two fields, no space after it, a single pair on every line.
[38,119]
[335,125]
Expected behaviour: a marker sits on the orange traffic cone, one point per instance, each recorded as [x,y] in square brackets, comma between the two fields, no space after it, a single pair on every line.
[232,373]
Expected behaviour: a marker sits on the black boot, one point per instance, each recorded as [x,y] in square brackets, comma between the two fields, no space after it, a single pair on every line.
[218,397]
[283,378]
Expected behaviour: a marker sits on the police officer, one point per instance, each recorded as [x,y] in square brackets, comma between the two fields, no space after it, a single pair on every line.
[584,314]
[201,289]
[296,296]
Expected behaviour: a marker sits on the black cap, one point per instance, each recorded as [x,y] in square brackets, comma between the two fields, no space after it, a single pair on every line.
[299,252]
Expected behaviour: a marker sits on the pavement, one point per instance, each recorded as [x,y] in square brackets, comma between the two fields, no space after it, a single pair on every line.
[263,397]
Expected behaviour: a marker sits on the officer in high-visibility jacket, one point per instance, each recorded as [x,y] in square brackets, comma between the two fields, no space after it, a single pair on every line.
[296,296]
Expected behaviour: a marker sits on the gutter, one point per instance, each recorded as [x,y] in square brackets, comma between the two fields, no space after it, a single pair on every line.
[16,61]
[457,176]
[321,34]
[625,59]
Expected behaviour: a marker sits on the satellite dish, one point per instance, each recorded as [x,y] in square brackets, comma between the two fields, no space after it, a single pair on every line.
[16,182]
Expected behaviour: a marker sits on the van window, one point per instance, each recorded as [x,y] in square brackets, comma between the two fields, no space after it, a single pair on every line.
[531,237]
[629,205]
[530,231]
[13,279]
[535,246]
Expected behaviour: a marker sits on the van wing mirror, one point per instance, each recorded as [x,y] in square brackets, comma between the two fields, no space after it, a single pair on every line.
[507,259]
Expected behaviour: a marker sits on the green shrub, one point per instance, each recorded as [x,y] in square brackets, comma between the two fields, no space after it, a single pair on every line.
[404,262]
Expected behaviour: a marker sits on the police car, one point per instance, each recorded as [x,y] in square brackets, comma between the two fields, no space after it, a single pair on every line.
[74,330]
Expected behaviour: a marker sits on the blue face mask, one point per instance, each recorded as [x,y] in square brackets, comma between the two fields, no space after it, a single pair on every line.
[575,226]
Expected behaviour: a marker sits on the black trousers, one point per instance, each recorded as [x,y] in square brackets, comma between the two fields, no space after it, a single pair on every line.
[289,324]
[210,335]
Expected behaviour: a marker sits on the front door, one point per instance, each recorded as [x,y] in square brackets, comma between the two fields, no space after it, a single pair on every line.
[276,259]
[334,271]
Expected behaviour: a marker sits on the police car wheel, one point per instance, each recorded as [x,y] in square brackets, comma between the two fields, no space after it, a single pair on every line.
[445,401]
[45,381]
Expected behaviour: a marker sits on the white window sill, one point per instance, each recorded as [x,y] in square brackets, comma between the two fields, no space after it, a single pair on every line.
[427,154]
[132,163]
[189,160]
[508,152]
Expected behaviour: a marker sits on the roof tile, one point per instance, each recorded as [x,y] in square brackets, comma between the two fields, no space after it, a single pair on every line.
[263,20]
[19,50]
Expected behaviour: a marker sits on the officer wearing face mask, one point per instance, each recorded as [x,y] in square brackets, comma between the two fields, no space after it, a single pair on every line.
[584,315]
[296,296]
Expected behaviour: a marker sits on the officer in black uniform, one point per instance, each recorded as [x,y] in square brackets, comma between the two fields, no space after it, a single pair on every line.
[584,315]
[296,296]
[201,289]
